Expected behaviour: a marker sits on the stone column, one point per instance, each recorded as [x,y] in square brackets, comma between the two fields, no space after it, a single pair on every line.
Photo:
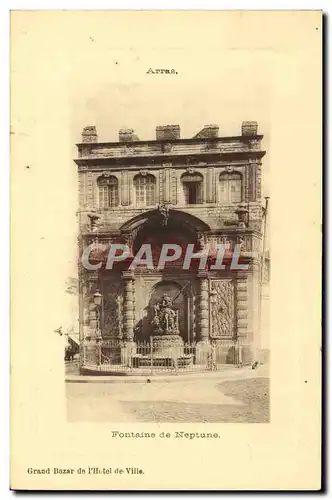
[128,318]
[92,285]
[243,352]
[128,306]
[88,318]
[241,305]
[82,312]
[203,306]
[248,318]
[203,346]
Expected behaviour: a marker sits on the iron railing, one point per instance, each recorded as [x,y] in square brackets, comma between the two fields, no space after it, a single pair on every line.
[143,357]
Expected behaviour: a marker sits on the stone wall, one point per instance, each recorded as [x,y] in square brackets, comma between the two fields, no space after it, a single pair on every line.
[168,158]
[169,189]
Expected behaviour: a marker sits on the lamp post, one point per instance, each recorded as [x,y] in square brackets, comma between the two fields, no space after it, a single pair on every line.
[97,299]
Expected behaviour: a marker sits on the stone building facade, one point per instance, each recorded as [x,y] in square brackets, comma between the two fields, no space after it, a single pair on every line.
[209,187]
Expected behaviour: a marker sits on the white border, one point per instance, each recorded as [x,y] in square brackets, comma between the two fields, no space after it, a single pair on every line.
[4,184]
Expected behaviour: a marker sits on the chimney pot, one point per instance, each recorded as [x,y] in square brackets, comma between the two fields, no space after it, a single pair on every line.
[249,128]
[89,134]
[126,134]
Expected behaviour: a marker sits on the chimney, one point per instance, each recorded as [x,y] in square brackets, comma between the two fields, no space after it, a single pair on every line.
[89,134]
[167,132]
[127,135]
[208,132]
[249,128]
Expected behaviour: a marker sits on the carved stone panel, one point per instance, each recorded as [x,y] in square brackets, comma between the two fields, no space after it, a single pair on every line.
[222,310]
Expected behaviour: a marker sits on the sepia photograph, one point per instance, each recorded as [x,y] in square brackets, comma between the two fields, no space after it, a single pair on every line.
[166,184]
[173,277]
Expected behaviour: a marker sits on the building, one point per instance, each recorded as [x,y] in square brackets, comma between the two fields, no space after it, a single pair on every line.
[203,191]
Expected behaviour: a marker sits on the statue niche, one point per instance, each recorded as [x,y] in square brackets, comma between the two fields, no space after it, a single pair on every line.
[166,319]
[167,341]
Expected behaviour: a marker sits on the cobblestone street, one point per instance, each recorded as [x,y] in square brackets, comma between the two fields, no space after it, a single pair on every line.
[245,398]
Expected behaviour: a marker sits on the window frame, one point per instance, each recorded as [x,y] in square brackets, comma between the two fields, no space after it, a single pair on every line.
[197,179]
[145,188]
[109,186]
[227,182]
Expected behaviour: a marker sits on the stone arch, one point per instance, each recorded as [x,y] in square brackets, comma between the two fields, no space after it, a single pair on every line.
[181,216]
[181,229]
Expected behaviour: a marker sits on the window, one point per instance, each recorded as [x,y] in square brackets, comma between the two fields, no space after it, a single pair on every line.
[192,188]
[145,190]
[230,187]
[108,192]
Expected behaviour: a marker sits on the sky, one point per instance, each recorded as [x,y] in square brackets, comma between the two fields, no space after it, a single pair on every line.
[214,90]
[97,74]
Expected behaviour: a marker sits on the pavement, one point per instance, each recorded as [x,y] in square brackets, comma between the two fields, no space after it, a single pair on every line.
[233,395]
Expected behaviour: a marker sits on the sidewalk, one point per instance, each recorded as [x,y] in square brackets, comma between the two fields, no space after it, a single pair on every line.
[226,373]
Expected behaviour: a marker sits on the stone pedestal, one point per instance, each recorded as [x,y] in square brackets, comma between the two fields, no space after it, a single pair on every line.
[168,346]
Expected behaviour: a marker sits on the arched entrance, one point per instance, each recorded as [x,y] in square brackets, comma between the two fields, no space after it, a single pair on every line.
[150,285]
[158,216]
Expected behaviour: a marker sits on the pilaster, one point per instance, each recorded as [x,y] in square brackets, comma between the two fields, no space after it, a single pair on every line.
[167,185]
[242,305]
[128,306]
[125,194]
[91,287]
[203,306]
[210,182]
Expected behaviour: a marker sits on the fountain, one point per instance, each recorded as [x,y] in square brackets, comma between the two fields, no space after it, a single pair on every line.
[167,343]
[166,335]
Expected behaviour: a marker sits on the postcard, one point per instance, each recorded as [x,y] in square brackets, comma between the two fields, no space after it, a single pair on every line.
[166,250]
